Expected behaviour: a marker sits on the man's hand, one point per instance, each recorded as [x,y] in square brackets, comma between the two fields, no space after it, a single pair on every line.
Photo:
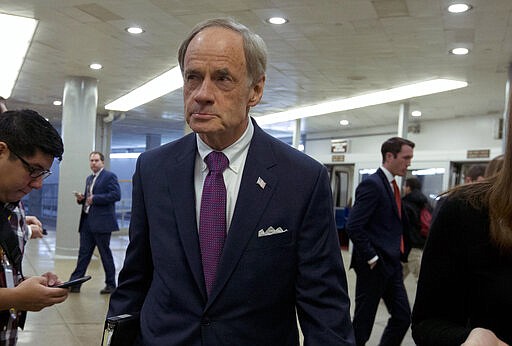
[483,337]
[36,226]
[33,294]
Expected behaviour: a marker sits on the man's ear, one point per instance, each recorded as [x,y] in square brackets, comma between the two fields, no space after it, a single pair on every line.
[3,147]
[257,92]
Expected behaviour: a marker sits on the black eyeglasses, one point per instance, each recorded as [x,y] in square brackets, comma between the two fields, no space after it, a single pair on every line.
[34,172]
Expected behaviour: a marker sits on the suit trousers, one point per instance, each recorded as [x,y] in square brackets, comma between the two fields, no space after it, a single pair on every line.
[375,284]
[88,241]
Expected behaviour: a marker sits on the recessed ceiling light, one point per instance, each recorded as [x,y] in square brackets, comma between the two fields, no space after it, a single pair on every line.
[95,66]
[344,122]
[277,20]
[459,8]
[416,113]
[459,51]
[134,30]
[57,103]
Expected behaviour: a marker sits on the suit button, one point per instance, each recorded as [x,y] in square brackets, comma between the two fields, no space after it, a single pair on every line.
[205,321]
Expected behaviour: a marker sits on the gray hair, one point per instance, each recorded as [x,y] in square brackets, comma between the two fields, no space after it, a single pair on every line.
[254,47]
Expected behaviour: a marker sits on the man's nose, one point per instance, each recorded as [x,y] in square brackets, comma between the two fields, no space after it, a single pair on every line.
[36,183]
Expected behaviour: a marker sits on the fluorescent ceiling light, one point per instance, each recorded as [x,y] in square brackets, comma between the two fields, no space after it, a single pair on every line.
[416,113]
[159,86]
[372,99]
[16,33]
[124,155]
[367,171]
[429,171]
[95,66]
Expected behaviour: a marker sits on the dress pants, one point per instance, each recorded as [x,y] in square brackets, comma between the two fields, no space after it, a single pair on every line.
[371,286]
[88,241]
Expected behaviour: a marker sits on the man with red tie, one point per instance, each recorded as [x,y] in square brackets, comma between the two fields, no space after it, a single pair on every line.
[375,225]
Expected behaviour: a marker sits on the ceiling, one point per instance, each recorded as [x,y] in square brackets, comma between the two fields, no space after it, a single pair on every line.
[330,49]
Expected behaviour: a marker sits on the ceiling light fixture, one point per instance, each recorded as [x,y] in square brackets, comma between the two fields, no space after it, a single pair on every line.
[135,30]
[95,66]
[459,8]
[17,33]
[459,51]
[416,113]
[344,122]
[124,155]
[277,20]
[57,103]
[372,99]
[159,86]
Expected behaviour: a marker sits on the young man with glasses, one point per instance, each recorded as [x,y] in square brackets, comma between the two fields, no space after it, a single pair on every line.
[28,146]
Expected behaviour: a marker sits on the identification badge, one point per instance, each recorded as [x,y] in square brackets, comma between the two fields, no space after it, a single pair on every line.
[8,272]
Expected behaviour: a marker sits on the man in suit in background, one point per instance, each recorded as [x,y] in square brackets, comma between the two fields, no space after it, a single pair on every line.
[376,227]
[97,221]
[238,271]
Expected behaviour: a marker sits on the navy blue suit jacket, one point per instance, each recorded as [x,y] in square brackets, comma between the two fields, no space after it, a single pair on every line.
[261,281]
[102,213]
[374,225]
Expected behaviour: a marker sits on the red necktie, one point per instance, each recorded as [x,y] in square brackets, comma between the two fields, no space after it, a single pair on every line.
[212,218]
[398,201]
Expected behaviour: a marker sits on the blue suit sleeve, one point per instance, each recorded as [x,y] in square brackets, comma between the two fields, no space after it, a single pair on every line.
[367,200]
[136,275]
[323,305]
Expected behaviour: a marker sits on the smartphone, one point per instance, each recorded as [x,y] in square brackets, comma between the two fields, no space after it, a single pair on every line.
[74,282]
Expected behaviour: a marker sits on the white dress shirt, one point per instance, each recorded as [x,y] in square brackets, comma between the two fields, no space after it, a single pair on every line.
[236,154]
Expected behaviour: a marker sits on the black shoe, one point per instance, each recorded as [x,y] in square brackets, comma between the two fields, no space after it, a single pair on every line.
[74,289]
[107,290]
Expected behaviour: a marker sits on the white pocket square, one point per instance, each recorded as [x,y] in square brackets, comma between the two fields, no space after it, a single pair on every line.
[271,231]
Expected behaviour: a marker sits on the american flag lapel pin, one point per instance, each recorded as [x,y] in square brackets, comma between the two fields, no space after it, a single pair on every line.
[261,182]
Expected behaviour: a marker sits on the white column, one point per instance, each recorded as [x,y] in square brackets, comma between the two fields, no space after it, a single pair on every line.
[296,134]
[78,134]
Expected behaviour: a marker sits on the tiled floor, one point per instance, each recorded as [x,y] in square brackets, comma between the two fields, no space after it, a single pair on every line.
[79,320]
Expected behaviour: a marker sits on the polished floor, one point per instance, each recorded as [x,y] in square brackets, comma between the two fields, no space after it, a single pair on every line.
[79,320]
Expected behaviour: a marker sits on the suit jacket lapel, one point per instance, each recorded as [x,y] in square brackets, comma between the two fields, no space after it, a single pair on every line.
[252,201]
[181,191]
[391,193]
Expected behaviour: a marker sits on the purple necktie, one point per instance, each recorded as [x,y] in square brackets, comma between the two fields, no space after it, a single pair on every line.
[212,219]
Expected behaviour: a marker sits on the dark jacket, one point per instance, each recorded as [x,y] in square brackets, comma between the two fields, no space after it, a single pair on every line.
[412,203]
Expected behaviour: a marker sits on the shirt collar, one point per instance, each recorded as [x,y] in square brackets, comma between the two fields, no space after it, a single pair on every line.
[388,174]
[233,152]
[98,172]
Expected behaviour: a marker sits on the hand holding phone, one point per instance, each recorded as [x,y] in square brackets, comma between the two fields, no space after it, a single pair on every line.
[75,282]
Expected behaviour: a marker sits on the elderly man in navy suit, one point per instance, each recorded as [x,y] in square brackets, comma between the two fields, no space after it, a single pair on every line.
[97,221]
[232,234]
[376,227]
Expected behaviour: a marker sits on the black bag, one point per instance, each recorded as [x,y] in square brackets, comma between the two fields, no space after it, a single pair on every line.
[121,330]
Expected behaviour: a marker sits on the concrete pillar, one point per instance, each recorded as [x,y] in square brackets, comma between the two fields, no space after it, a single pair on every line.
[403,126]
[104,137]
[153,140]
[78,134]
[296,134]
[403,120]
[508,107]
